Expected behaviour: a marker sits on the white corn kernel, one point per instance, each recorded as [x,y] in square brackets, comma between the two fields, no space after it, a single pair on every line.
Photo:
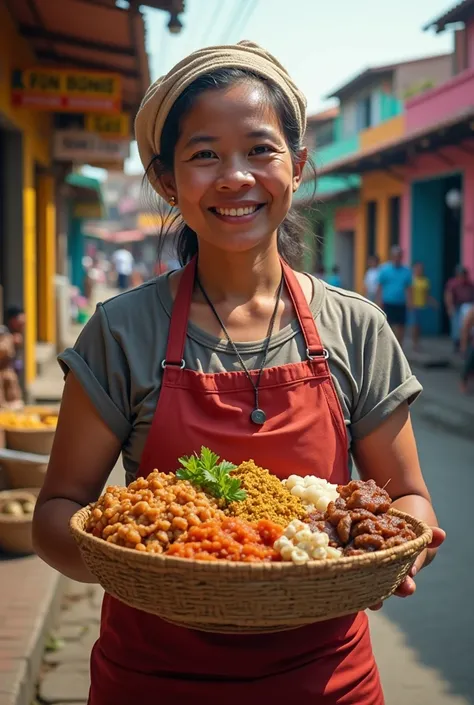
[298,491]
[293,480]
[322,503]
[287,552]
[333,552]
[303,535]
[319,554]
[299,557]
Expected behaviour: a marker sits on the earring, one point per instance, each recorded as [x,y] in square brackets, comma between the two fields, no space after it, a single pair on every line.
[172,201]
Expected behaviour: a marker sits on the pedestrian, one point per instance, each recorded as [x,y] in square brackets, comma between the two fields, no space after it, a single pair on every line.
[123,262]
[15,320]
[321,272]
[334,279]
[10,391]
[394,291]
[421,300]
[467,349]
[221,139]
[459,290]
[371,279]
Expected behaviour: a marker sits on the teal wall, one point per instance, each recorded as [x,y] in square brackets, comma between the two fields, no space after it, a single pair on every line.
[427,242]
[390,106]
[336,150]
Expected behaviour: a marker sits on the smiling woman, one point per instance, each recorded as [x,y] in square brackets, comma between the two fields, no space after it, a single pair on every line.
[237,352]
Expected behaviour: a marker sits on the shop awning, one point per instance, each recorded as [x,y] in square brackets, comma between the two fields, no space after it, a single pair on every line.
[430,138]
[461,12]
[91,35]
[85,194]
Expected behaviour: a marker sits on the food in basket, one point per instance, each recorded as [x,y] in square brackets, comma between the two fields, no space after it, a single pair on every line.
[313,491]
[212,475]
[267,497]
[300,544]
[27,421]
[229,539]
[357,522]
[151,513]
[23,506]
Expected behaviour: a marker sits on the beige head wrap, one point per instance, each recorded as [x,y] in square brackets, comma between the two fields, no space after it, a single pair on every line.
[161,96]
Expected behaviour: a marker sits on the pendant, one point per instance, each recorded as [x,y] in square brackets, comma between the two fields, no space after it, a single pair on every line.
[258,417]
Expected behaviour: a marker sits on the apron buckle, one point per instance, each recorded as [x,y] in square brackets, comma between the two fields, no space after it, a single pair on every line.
[165,364]
[324,353]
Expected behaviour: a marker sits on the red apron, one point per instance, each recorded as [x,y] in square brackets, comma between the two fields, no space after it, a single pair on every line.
[141,660]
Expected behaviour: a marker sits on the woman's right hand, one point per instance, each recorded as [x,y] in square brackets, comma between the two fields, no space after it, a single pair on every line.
[83,455]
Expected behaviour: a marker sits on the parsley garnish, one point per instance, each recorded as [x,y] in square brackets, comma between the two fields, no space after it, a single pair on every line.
[213,476]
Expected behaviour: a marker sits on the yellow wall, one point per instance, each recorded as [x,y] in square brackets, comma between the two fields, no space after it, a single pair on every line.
[385,132]
[376,186]
[37,132]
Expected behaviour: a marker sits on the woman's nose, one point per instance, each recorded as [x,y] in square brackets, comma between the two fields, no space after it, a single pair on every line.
[233,177]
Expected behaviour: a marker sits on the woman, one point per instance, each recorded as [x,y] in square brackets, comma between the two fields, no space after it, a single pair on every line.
[228,353]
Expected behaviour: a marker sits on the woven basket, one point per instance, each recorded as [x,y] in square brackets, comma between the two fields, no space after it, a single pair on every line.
[30,440]
[15,532]
[24,473]
[229,597]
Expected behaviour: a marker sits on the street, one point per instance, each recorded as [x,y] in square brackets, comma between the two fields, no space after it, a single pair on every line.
[423,645]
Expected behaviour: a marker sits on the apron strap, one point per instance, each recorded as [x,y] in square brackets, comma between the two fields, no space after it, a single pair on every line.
[182,304]
[180,317]
[314,347]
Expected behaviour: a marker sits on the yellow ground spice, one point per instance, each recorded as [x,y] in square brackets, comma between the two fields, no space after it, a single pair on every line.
[267,497]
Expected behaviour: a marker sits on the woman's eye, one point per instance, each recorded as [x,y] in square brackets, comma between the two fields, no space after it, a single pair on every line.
[205,154]
[261,149]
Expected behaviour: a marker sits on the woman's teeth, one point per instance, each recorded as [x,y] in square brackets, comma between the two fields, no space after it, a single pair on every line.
[237,212]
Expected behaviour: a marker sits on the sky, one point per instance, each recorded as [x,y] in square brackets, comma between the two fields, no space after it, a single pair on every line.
[322,43]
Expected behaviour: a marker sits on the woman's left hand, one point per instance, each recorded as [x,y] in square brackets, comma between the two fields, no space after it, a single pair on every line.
[408,586]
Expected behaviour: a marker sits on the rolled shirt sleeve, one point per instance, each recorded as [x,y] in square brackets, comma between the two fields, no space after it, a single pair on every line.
[99,365]
[387,382]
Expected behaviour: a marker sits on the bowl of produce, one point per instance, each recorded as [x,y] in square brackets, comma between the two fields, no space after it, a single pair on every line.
[16,517]
[23,469]
[232,549]
[29,431]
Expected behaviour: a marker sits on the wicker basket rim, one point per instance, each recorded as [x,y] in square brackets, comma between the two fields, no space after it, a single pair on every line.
[79,518]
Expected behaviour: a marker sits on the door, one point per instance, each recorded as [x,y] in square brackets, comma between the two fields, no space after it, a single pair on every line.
[344,257]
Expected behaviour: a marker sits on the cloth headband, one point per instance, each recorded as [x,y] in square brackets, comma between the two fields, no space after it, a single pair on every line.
[163,93]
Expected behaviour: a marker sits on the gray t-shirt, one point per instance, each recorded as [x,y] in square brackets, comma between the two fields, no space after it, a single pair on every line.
[117,359]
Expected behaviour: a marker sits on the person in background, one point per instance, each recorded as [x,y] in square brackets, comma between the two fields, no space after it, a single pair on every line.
[371,279]
[421,299]
[10,390]
[15,321]
[321,272]
[123,262]
[394,291]
[459,290]
[334,278]
[467,349]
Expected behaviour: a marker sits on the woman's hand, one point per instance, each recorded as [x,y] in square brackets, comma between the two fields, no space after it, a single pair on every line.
[408,586]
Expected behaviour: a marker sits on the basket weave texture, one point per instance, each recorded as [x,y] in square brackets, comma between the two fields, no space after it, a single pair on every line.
[229,597]
[15,532]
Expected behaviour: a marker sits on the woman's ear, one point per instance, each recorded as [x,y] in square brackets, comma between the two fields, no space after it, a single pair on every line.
[298,167]
[167,185]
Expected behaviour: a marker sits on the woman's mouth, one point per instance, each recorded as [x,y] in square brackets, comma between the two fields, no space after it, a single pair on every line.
[240,214]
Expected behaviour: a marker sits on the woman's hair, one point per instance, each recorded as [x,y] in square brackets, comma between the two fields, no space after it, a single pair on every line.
[292,230]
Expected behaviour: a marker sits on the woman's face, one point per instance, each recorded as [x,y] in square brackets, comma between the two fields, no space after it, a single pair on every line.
[233,172]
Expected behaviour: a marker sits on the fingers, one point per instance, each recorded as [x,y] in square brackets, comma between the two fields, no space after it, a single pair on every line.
[439,537]
[406,588]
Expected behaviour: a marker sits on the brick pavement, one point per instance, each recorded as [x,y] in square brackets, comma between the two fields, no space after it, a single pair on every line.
[29,590]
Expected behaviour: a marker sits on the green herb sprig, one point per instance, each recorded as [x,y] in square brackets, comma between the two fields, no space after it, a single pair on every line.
[213,476]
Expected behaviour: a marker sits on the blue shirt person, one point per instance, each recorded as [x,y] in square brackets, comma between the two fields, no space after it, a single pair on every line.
[334,279]
[395,281]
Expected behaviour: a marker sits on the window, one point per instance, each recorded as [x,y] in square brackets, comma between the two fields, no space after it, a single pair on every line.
[394,223]
[364,113]
[371,228]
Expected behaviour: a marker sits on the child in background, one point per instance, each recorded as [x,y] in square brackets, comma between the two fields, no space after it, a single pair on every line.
[421,300]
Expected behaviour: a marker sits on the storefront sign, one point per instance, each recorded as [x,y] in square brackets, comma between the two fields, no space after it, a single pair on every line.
[66,90]
[86,147]
[114,126]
